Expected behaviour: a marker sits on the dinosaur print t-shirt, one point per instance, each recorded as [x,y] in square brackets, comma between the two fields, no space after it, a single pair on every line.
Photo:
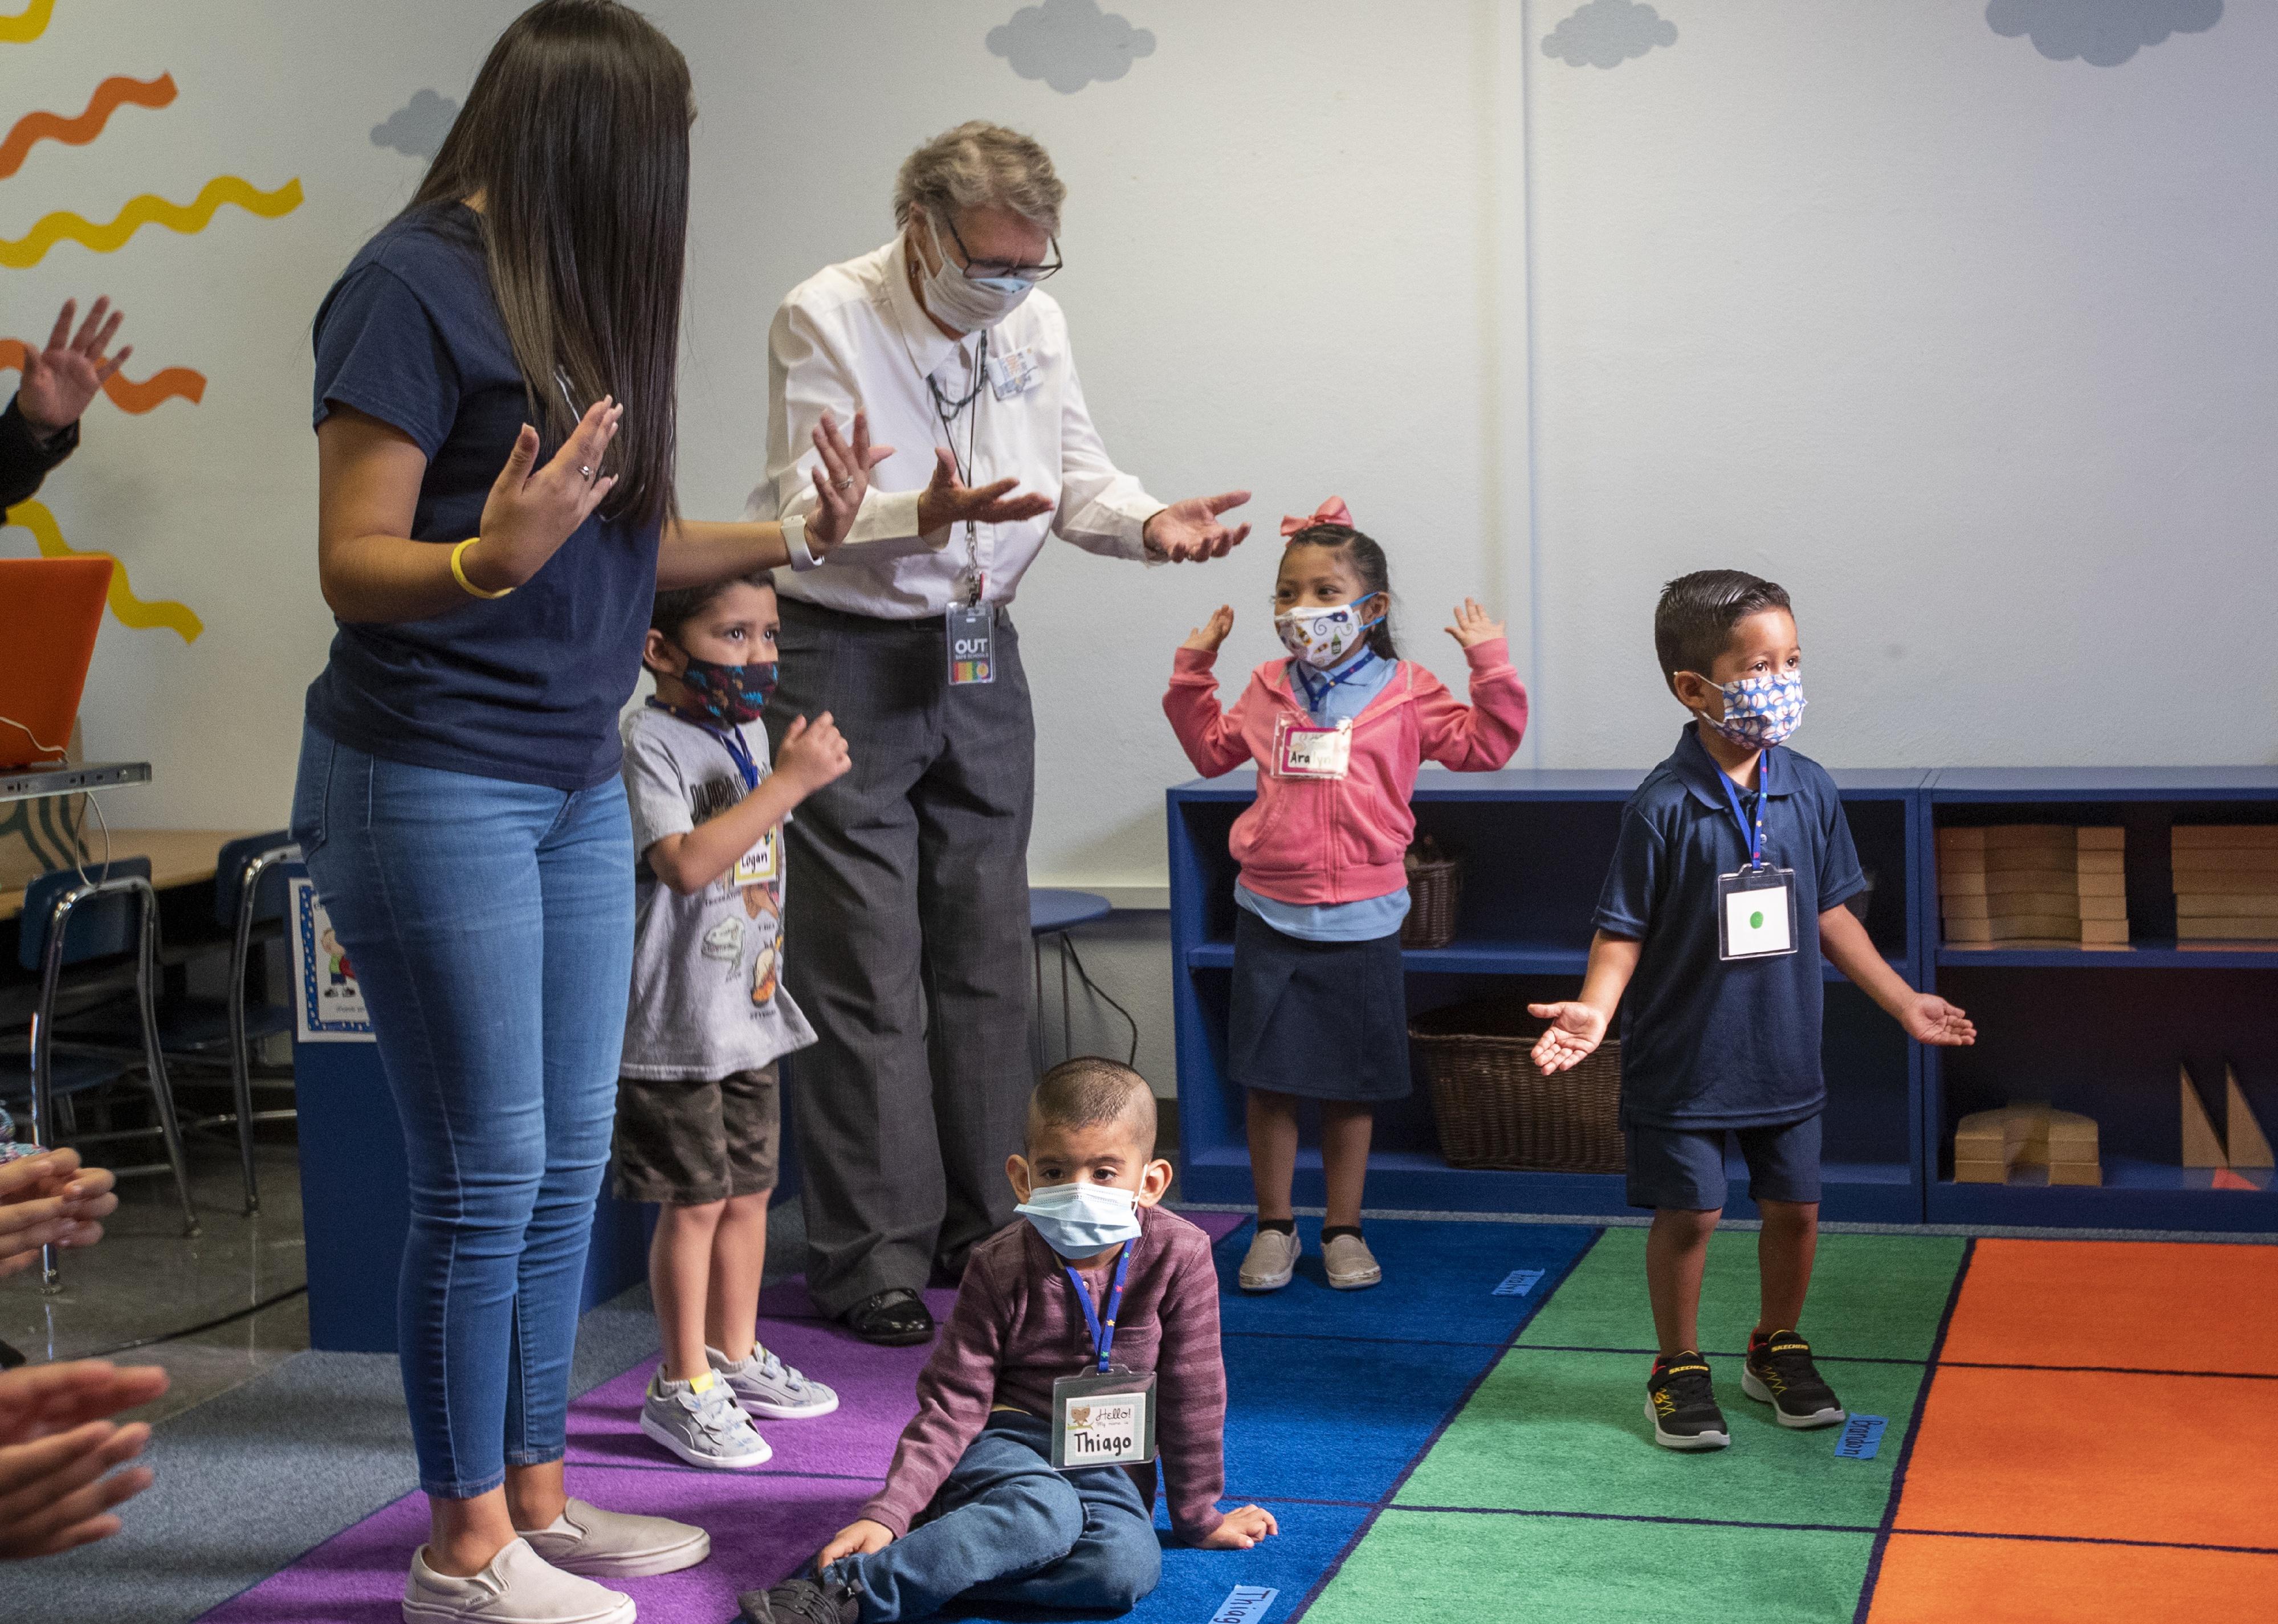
[707,994]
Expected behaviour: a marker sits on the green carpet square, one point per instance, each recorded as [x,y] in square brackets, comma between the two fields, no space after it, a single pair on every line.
[1872,1296]
[1557,1570]
[1567,1432]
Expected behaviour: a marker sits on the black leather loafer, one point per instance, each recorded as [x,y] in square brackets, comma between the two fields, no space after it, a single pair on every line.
[896,1318]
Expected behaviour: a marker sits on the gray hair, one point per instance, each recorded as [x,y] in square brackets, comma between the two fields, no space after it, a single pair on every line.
[978,165]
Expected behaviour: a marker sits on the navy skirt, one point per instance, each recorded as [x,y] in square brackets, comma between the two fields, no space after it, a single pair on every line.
[1327,1020]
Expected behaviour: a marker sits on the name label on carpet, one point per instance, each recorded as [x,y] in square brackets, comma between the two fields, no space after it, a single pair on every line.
[1245,1604]
[1518,1282]
[1862,1436]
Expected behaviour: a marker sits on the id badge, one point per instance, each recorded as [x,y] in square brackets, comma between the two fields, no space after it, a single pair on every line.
[1014,374]
[1755,914]
[1302,751]
[763,862]
[972,644]
[1102,1419]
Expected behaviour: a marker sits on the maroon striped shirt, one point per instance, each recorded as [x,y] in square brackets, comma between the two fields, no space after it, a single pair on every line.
[1017,1329]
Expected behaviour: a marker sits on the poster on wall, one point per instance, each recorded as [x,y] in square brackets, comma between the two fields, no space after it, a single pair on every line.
[328,1007]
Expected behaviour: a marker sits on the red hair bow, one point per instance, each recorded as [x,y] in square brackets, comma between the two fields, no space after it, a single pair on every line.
[1331,511]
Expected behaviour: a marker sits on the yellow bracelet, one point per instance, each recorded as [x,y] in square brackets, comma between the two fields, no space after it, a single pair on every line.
[459,571]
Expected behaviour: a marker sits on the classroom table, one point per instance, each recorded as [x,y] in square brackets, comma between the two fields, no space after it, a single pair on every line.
[178,857]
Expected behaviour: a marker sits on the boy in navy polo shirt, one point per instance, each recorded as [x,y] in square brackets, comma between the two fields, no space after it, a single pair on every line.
[1728,883]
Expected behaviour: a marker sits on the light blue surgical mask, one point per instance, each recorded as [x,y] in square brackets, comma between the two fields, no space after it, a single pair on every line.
[970,304]
[1080,1218]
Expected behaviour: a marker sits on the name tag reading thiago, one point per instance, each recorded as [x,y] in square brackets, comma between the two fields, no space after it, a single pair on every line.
[1106,1416]
[1755,905]
[1302,751]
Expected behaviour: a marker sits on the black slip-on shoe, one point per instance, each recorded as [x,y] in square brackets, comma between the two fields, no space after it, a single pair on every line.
[895,1318]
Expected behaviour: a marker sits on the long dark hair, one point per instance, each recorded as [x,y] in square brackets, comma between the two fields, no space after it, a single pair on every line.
[575,134]
[1367,561]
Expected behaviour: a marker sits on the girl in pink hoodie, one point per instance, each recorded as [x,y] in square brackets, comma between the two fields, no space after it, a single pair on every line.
[1337,730]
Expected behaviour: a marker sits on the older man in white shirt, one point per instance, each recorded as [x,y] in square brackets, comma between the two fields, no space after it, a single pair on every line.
[907,927]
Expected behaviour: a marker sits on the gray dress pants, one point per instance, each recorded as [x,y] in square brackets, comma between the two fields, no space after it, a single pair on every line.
[905,943]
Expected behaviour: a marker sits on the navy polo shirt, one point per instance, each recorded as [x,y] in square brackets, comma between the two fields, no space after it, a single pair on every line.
[527,687]
[1705,1043]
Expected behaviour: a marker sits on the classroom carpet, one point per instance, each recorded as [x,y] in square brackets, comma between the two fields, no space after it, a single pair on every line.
[2069,1435]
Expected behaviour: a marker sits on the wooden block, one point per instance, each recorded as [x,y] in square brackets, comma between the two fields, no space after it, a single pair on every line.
[2102,863]
[2201,1147]
[2011,836]
[2245,1142]
[2097,837]
[1961,840]
[2104,931]
[2264,835]
[2226,883]
[2114,884]
[2025,860]
[2071,1137]
[2076,1172]
[2103,908]
[2225,860]
[1973,909]
[2032,883]
[1967,933]
[1981,1172]
[2058,925]
[2227,930]
[2219,906]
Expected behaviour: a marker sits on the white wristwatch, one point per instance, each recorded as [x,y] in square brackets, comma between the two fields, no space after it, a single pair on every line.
[794,534]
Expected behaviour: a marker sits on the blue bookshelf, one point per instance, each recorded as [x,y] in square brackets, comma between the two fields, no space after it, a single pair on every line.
[1537,843]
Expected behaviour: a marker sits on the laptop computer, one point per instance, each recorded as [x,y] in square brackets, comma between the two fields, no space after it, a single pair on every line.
[51,609]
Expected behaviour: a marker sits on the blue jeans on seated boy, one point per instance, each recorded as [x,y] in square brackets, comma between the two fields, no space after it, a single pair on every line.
[1007,1527]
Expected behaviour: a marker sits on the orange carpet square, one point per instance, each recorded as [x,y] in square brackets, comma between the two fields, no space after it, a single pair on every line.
[2127,1303]
[2090,1454]
[1931,1581]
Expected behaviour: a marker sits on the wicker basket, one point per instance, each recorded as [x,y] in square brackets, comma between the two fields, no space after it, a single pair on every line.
[1496,1110]
[1435,894]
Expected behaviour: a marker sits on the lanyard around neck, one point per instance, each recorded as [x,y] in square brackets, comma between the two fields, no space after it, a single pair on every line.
[1103,1335]
[731,740]
[1315,700]
[1756,840]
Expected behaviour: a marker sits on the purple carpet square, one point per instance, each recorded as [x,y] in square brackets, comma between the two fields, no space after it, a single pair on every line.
[1216,1225]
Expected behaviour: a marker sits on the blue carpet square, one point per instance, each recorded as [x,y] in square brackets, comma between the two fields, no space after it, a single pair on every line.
[1439,1282]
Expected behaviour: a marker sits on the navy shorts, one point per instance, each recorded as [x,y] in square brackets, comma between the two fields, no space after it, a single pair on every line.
[1683,1168]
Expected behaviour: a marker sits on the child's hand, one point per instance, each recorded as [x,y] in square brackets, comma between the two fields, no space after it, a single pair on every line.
[1472,626]
[1930,1019]
[1210,633]
[857,1538]
[50,1199]
[811,757]
[1575,1030]
[56,1448]
[1241,1530]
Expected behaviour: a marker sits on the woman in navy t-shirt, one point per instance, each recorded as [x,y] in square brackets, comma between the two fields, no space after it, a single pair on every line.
[494,396]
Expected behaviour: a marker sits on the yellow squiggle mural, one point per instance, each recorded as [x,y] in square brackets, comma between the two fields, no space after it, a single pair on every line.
[27,24]
[147,210]
[130,610]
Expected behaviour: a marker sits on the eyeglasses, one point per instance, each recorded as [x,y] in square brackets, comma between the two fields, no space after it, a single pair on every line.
[984,270]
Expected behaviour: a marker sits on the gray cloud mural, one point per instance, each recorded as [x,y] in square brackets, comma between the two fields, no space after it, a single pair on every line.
[417,129]
[1068,44]
[2103,34]
[1605,34]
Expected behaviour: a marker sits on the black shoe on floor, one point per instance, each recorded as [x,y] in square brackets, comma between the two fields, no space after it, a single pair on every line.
[799,1601]
[1681,1403]
[896,1318]
[1780,1373]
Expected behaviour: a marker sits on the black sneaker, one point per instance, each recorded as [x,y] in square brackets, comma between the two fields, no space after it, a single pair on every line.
[1682,1404]
[802,1600]
[1780,1373]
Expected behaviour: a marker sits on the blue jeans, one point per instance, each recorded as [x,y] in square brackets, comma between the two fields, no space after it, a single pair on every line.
[491,928]
[1007,1528]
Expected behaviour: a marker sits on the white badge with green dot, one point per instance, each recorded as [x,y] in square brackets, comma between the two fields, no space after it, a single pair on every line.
[1755,914]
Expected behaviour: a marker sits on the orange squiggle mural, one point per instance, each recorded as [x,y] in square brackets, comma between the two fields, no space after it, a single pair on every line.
[108,97]
[124,393]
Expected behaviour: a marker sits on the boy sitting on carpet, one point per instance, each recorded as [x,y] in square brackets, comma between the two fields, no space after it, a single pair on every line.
[1729,879]
[1099,1279]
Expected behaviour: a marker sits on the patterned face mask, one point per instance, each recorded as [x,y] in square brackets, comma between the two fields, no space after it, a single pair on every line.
[1323,634]
[729,695]
[1760,711]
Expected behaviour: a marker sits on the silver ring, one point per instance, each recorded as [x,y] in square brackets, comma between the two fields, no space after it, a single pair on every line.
[840,484]
[586,471]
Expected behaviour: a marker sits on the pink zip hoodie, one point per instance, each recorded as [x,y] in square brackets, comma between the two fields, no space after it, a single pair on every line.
[1314,840]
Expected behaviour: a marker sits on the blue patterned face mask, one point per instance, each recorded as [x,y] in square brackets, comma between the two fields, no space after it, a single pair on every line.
[1759,712]
[730,694]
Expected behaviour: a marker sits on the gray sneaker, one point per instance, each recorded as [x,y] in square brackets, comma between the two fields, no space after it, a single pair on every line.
[708,1428]
[764,1385]
[618,1544]
[519,1586]
[1349,1263]
[1272,1260]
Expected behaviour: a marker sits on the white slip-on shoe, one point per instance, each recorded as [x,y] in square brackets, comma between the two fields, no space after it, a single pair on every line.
[1349,1263]
[617,1544]
[518,1587]
[765,1386]
[708,1428]
[1272,1260]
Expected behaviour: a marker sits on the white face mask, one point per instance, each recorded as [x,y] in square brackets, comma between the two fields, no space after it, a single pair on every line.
[1080,1218]
[969,304]
[1322,635]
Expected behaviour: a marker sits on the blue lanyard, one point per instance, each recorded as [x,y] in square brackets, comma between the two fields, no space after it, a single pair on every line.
[1314,701]
[731,739]
[1755,842]
[1102,1336]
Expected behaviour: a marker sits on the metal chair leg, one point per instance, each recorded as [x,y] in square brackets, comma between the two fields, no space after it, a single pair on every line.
[241,1077]
[162,1093]
[43,1133]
